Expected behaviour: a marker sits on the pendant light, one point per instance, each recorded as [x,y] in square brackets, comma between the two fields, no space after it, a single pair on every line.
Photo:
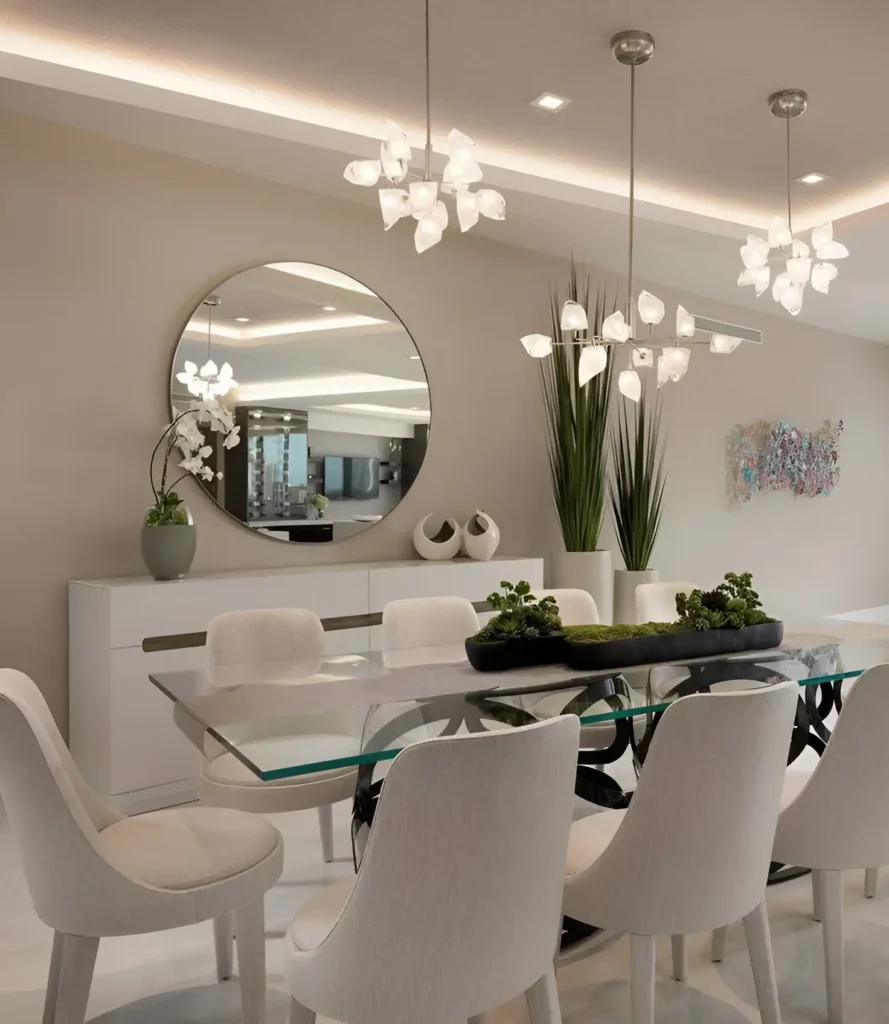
[211,382]
[633,49]
[792,256]
[423,199]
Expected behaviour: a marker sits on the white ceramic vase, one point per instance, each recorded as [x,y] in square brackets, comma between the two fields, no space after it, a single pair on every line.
[444,543]
[481,536]
[585,570]
[625,583]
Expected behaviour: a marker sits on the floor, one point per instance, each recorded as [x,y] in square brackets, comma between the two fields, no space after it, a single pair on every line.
[169,978]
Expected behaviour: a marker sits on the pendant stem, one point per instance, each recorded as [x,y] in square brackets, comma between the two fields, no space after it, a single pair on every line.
[631,306]
[789,221]
[428,105]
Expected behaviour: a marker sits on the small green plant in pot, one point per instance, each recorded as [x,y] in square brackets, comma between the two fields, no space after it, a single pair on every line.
[525,631]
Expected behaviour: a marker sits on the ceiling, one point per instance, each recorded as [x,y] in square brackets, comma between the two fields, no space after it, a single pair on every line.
[319,77]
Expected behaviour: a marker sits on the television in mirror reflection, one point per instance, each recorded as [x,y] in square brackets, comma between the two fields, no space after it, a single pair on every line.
[331,398]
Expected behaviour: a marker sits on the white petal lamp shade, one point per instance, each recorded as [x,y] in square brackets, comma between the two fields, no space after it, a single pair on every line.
[685,323]
[440,213]
[363,172]
[832,250]
[799,248]
[792,298]
[651,309]
[573,317]
[643,358]
[629,385]
[467,209]
[663,371]
[755,253]
[437,546]
[723,344]
[458,175]
[397,142]
[209,369]
[781,283]
[394,204]
[593,360]
[822,275]
[428,232]
[461,149]
[779,233]
[675,361]
[188,371]
[615,328]
[491,204]
[539,346]
[424,195]
[822,234]
[799,268]
[394,170]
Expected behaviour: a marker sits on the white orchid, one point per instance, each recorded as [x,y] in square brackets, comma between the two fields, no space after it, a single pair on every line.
[234,436]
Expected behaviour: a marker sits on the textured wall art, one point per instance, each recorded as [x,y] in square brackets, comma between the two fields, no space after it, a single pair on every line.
[779,457]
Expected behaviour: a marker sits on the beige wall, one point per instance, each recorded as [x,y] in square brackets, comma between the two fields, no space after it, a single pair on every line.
[108,247]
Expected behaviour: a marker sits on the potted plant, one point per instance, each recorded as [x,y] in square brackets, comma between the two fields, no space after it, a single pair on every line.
[526,631]
[169,539]
[576,428]
[726,620]
[637,491]
[318,503]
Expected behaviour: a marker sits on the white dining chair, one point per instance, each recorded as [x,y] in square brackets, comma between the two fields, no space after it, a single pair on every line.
[427,622]
[267,640]
[656,602]
[93,874]
[576,607]
[694,847]
[456,905]
[836,818]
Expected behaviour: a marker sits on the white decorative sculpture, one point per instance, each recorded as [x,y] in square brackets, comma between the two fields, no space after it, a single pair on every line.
[481,536]
[444,544]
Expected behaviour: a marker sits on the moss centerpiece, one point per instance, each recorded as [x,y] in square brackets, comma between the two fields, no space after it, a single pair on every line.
[726,620]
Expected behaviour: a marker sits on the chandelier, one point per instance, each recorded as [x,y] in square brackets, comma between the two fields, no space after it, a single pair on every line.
[792,256]
[633,49]
[422,199]
[210,382]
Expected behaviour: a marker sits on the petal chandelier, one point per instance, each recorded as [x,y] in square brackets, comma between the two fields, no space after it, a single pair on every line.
[633,49]
[210,382]
[422,199]
[792,256]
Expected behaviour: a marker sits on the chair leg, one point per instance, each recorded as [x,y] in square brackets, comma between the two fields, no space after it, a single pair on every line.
[250,937]
[642,956]
[680,958]
[299,1014]
[717,945]
[325,821]
[759,945]
[52,983]
[77,962]
[543,1001]
[817,896]
[832,927]
[224,938]
[871,880]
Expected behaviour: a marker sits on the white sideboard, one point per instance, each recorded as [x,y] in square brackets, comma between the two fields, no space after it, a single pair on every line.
[121,728]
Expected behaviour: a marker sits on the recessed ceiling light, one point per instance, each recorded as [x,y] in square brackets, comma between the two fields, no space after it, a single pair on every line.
[329,309]
[549,101]
[242,319]
[812,178]
[413,357]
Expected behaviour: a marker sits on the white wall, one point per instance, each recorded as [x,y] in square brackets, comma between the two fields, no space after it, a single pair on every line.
[110,247]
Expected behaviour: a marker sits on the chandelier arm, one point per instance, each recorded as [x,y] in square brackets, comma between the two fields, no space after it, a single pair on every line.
[209,329]
[789,220]
[428,104]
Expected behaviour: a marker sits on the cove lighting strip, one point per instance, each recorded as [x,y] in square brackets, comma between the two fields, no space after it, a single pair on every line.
[310,387]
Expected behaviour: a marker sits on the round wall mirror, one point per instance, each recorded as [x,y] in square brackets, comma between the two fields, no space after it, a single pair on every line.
[328,390]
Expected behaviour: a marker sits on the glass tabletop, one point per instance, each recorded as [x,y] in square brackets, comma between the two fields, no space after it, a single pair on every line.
[283,721]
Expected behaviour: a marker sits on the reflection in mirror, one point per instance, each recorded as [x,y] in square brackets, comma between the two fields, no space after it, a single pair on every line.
[329,393]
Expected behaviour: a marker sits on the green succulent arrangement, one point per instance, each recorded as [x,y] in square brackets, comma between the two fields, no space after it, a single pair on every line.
[521,616]
[732,605]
